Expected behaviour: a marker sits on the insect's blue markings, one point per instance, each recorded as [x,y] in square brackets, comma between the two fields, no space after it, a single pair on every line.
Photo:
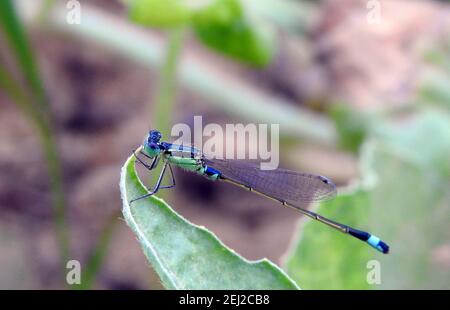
[211,172]
[376,242]
[372,240]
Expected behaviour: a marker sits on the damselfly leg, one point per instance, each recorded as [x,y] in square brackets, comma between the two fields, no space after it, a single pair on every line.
[149,167]
[157,186]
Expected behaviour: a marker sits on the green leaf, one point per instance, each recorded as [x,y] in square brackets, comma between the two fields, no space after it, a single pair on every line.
[160,13]
[187,256]
[225,27]
[413,166]
[412,208]
[403,199]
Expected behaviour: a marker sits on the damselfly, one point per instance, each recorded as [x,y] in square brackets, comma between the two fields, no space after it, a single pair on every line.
[291,189]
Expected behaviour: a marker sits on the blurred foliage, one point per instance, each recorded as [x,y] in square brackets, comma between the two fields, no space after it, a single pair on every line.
[435,85]
[436,89]
[222,25]
[165,102]
[351,126]
[98,254]
[413,196]
[403,198]
[291,16]
[187,256]
[28,93]
[225,27]
[23,54]
[161,13]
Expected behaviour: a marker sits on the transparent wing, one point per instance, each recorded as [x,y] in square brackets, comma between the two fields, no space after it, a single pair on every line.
[297,189]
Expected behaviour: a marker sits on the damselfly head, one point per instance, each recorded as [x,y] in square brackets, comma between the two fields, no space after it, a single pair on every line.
[152,143]
[154,136]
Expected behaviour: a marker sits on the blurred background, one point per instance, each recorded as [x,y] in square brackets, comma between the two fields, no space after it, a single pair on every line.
[360,88]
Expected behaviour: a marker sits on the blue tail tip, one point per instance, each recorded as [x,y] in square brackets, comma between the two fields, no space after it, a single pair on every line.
[383,247]
[378,244]
[372,240]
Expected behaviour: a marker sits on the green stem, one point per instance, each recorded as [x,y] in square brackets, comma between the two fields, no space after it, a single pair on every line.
[98,254]
[165,102]
[20,47]
[166,93]
[33,101]
[58,198]
[45,133]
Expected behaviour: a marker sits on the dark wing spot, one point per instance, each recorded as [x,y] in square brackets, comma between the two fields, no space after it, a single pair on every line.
[325,180]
